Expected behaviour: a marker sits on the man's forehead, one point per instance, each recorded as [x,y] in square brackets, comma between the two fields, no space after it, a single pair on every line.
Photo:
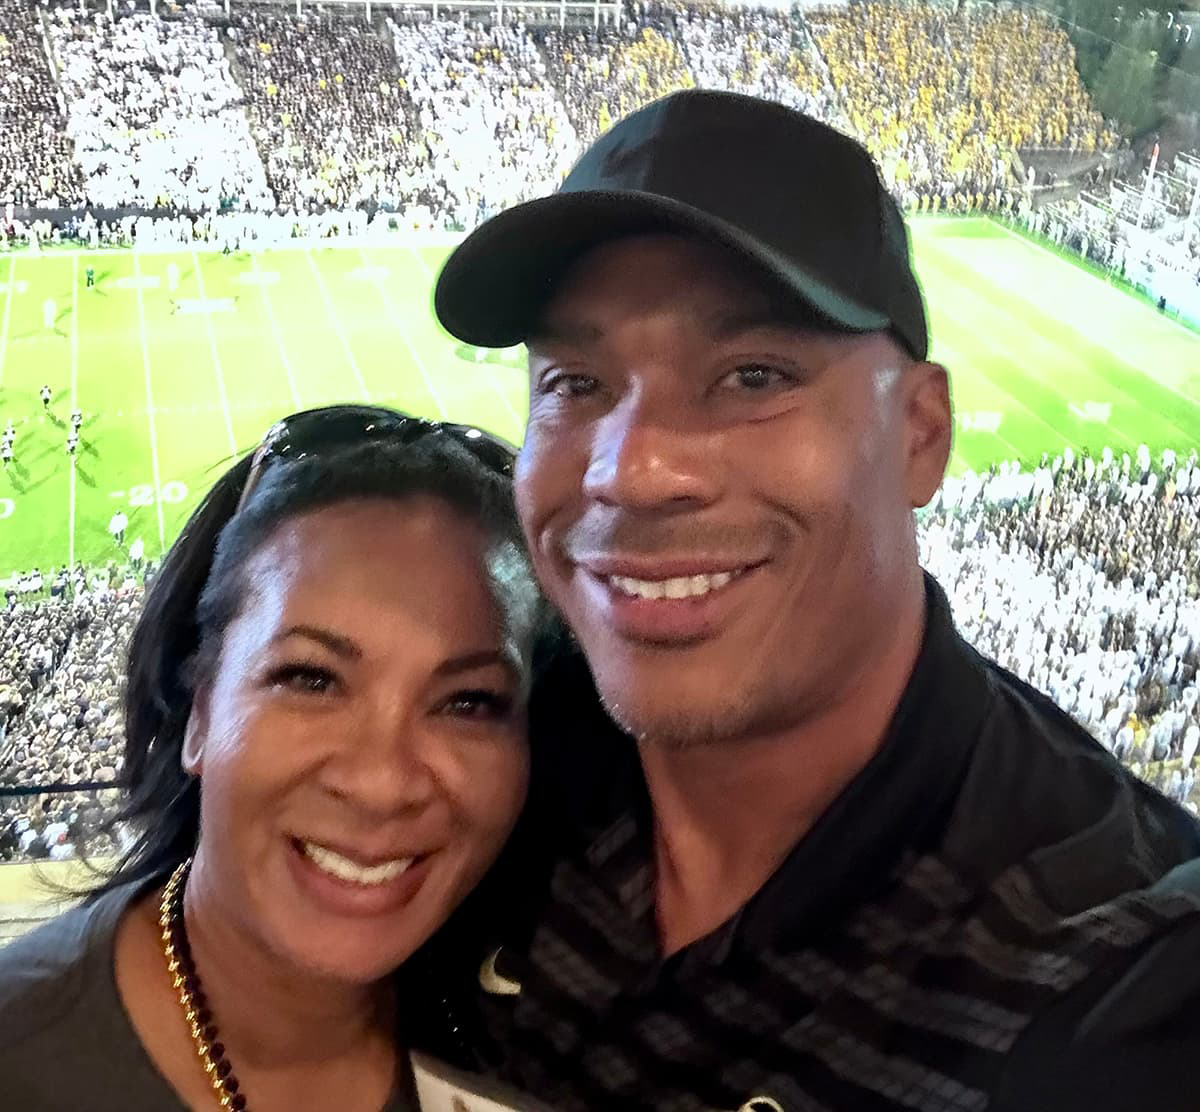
[651,278]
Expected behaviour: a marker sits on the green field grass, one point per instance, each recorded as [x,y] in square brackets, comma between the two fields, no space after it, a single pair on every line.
[173,384]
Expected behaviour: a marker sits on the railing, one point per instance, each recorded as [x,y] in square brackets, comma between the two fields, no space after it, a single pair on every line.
[601,11]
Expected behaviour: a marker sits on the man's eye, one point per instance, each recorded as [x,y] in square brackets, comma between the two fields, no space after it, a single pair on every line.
[569,385]
[756,378]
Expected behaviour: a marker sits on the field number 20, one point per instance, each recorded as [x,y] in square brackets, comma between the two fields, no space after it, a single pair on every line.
[143,494]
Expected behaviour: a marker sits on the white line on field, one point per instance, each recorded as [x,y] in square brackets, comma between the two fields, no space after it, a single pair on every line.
[12,269]
[74,402]
[337,324]
[390,308]
[276,335]
[216,358]
[491,374]
[141,308]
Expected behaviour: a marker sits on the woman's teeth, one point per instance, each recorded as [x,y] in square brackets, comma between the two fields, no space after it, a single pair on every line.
[350,871]
[681,586]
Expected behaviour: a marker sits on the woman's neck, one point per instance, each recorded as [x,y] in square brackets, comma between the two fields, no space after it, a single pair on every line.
[270,1014]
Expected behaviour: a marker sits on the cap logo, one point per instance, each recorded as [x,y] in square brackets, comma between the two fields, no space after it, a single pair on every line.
[621,159]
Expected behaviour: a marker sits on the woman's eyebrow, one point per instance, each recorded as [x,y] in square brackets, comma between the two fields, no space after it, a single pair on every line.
[336,643]
[468,662]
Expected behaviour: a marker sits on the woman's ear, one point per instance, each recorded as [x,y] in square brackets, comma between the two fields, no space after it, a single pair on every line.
[195,733]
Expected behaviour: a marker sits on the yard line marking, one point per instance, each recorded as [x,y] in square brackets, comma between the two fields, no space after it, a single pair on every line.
[216,358]
[141,308]
[12,285]
[390,308]
[337,324]
[491,375]
[276,335]
[74,402]
[956,357]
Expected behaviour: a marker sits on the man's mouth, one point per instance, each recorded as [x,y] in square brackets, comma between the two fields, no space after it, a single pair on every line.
[676,586]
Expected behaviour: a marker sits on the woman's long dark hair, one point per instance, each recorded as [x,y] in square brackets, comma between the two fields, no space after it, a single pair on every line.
[198,591]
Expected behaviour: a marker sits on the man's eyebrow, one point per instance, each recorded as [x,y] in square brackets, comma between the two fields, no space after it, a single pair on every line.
[727,325]
[334,642]
[563,333]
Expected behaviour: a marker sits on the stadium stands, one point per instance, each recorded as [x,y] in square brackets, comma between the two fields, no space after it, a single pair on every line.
[330,112]
[154,113]
[36,166]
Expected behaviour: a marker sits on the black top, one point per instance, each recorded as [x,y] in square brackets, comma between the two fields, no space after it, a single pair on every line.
[994,915]
[66,1042]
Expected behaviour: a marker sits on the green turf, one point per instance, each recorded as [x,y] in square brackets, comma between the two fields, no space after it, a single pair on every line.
[1042,354]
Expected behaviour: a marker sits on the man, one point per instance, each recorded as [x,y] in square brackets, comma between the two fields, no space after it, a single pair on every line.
[836,860]
[45,396]
[90,275]
[72,442]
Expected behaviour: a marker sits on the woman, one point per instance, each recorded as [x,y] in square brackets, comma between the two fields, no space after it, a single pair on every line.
[326,750]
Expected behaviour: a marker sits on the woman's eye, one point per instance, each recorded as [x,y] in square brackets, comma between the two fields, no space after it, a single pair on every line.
[569,385]
[304,679]
[756,378]
[478,704]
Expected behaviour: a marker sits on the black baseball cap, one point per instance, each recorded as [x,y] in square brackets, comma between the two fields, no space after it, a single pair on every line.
[797,200]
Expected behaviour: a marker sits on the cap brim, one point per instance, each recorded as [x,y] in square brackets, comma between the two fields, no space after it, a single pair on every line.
[494,286]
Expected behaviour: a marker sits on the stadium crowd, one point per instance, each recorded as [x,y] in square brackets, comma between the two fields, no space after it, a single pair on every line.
[450,119]
[36,166]
[61,661]
[154,113]
[331,113]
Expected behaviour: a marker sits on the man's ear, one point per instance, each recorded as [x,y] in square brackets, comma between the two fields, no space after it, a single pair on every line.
[929,421]
[195,733]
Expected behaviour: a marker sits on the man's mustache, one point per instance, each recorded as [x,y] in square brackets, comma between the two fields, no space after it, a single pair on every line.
[621,534]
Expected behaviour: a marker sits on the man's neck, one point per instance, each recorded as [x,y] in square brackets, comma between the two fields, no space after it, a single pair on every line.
[727,814]
[271,1014]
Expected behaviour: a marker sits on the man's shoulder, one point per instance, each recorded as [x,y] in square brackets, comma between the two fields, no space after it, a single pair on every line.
[1041,792]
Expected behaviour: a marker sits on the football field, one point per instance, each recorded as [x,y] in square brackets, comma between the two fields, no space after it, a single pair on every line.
[175,382]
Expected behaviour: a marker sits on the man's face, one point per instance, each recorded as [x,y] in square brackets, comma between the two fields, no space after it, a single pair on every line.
[719,502]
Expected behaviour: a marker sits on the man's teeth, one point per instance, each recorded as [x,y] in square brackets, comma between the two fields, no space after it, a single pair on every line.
[350,871]
[681,586]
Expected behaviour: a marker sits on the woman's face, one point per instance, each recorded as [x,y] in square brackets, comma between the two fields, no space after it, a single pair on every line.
[361,743]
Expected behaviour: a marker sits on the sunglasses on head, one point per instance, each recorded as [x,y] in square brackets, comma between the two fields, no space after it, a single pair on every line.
[333,427]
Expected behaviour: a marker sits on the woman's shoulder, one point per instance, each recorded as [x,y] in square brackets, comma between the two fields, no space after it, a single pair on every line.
[58,976]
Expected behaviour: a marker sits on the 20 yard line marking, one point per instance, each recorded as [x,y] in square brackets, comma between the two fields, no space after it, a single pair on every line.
[491,375]
[141,308]
[74,402]
[390,308]
[276,335]
[337,324]
[12,285]
[216,358]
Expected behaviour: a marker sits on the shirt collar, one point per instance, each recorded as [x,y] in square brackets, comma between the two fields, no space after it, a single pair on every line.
[899,802]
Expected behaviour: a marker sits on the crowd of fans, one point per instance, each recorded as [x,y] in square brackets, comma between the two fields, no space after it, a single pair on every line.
[942,97]
[456,117]
[36,167]
[1083,577]
[61,662]
[494,127]
[154,113]
[331,112]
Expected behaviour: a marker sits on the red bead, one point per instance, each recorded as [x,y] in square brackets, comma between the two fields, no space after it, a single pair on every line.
[210,1032]
[223,1069]
[217,1051]
[231,1084]
[239,1102]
